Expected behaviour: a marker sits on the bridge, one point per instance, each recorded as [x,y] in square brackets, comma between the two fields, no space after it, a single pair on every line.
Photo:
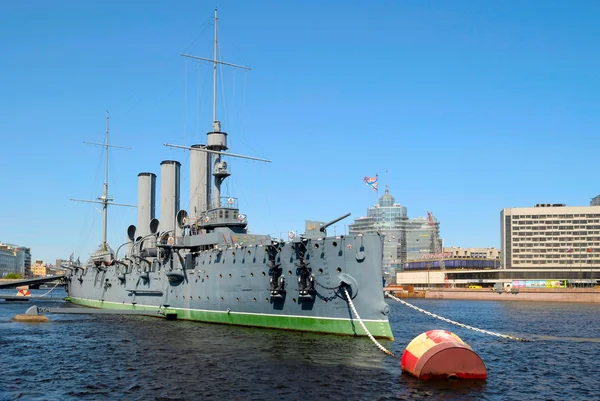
[31,282]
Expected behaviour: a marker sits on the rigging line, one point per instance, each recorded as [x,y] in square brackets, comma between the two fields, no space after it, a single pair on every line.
[198,103]
[207,94]
[202,77]
[223,30]
[233,107]
[85,239]
[159,72]
[242,127]
[184,97]
[223,98]
[242,120]
[135,94]
[201,89]
[207,23]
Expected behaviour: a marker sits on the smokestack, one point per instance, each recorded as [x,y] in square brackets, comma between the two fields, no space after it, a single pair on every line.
[169,194]
[199,180]
[146,202]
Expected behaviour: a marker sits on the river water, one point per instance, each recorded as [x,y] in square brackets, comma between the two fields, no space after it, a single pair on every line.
[87,357]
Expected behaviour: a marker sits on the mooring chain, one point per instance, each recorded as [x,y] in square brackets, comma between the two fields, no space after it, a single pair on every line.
[491,333]
[381,347]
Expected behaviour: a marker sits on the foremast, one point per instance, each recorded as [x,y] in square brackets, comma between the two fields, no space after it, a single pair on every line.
[104,199]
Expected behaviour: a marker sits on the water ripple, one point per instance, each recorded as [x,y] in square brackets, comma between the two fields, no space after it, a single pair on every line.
[142,358]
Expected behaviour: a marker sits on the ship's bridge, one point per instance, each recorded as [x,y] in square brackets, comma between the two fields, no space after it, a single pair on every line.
[227,214]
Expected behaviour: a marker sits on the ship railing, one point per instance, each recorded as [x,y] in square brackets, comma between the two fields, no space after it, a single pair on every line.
[229,202]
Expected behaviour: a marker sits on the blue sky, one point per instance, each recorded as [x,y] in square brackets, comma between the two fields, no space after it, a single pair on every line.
[472,106]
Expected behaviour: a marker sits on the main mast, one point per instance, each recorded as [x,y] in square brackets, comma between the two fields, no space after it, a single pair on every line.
[205,196]
[217,140]
[215,71]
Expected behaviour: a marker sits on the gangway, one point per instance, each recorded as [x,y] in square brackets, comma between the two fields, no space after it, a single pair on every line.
[169,314]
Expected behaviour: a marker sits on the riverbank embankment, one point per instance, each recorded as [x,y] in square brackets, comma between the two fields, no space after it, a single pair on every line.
[590,295]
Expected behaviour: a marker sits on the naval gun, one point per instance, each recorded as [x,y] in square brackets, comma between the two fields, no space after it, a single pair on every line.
[323,228]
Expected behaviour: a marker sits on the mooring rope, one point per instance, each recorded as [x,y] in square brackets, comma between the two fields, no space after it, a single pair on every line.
[491,333]
[51,289]
[381,347]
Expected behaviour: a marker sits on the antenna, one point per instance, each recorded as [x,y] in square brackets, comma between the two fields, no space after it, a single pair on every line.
[386,181]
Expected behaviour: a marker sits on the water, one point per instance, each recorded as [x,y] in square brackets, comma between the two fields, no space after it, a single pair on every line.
[141,358]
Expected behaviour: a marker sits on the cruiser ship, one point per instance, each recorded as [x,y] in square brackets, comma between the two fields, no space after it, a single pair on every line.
[204,265]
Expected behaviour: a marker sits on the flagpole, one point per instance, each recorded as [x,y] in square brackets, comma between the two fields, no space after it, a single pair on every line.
[377,187]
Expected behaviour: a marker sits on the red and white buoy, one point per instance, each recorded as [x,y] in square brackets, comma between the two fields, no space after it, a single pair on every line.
[440,354]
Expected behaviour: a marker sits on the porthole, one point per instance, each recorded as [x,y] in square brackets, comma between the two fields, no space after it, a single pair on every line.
[264,274]
[321,271]
[334,244]
[316,246]
[251,274]
[339,269]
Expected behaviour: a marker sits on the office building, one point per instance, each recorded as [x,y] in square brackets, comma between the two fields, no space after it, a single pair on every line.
[14,259]
[549,236]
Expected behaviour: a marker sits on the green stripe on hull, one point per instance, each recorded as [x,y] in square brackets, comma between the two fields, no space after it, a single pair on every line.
[379,329]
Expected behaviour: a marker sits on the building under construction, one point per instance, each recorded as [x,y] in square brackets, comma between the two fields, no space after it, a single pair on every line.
[405,238]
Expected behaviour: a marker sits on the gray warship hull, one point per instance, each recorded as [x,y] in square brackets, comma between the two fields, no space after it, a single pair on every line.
[232,286]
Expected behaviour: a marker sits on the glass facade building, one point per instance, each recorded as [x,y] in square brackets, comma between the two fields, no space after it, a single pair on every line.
[404,238]
[14,259]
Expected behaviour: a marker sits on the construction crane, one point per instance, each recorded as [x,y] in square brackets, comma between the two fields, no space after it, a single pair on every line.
[438,251]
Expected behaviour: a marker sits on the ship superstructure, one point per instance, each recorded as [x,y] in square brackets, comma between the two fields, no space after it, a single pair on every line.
[204,265]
